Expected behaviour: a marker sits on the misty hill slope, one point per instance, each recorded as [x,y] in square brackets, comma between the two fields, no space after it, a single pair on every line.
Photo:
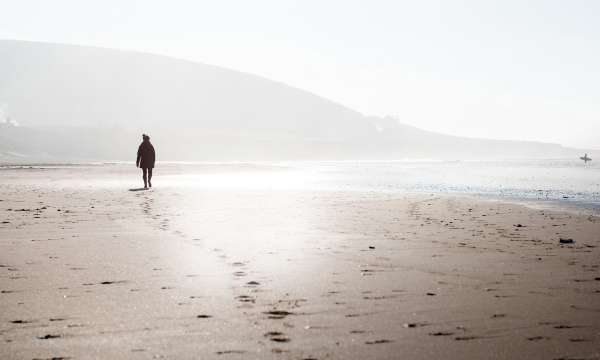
[50,84]
[76,103]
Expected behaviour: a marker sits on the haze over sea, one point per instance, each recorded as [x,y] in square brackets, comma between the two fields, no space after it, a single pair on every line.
[562,183]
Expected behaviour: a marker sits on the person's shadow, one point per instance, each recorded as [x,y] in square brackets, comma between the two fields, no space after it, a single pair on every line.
[139,189]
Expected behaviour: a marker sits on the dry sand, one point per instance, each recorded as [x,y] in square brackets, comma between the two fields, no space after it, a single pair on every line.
[103,272]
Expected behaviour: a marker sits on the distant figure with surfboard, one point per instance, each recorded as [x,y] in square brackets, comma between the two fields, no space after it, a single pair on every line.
[145,160]
[585,158]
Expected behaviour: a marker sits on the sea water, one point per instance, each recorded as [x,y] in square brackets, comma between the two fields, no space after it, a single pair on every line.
[561,182]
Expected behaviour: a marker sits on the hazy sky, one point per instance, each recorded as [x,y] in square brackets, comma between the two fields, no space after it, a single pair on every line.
[497,69]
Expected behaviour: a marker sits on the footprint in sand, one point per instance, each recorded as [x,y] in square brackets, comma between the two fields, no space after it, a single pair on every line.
[245,299]
[538,338]
[441,333]
[381,341]
[105,283]
[561,327]
[278,314]
[414,325]
[466,338]
[277,336]
[226,352]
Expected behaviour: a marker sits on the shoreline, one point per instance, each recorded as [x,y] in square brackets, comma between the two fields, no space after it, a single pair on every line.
[564,201]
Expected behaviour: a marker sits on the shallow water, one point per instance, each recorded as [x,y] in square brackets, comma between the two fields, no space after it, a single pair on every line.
[563,181]
[559,182]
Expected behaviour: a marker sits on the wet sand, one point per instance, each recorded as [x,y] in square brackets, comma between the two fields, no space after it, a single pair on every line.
[93,271]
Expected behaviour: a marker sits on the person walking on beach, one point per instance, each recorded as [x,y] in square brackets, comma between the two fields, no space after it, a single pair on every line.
[145,160]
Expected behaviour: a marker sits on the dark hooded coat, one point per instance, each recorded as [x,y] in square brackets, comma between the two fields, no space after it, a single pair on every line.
[146,155]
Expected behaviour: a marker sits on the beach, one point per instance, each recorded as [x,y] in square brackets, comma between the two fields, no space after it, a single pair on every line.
[244,266]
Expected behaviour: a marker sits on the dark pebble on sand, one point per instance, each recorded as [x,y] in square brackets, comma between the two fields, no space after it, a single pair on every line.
[566,241]
[111,282]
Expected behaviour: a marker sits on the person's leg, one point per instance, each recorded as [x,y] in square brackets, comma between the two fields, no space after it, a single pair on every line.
[144,176]
[150,177]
